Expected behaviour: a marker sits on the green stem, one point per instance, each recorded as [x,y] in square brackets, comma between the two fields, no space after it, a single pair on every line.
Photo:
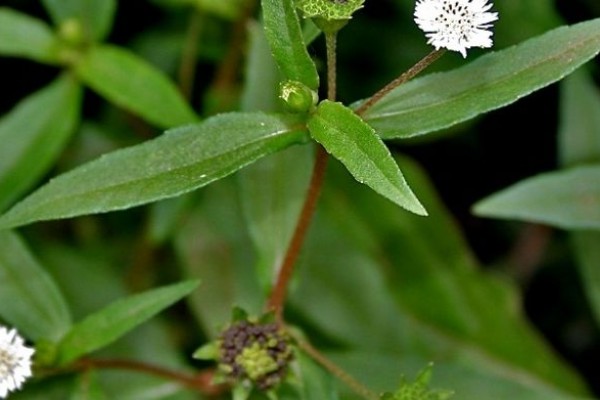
[331,46]
[187,68]
[336,371]
[405,77]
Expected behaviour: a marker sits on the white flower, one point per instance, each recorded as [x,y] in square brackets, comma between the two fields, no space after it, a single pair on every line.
[15,361]
[456,24]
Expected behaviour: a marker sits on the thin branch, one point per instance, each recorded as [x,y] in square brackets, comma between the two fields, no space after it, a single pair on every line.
[201,382]
[331,44]
[277,298]
[189,58]
[342,375]
[405,77]
[227,72]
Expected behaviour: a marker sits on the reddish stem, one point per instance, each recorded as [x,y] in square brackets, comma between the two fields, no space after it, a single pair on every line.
[201,382]
[277,298]
[405,77]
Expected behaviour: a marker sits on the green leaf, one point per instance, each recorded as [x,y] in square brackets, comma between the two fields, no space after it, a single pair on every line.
[130,82]
[94,16]
[262,78]
[272,192]
[568,199]
[228,280]
[579,133]
[115,320]
[284,34]
[34,134]
[25,36]
[29,299]
[227,9]
[90,279]
[494,80]
[587,250]
[355,144]
[579,143]
[316,383]
[427,299]
[87,387]
[419,389]
[179,161]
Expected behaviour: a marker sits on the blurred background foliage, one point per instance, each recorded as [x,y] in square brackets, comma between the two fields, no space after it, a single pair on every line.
[500,306]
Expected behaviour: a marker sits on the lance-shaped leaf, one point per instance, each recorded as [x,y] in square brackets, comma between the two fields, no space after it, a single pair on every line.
[284,34]
[579,143]
[349,139]
[115,320]
[579,133]
[34,133]
[25,36]
[179,161]
[130,82]
[94,16]
[568,199]
[29,298]
[443,99]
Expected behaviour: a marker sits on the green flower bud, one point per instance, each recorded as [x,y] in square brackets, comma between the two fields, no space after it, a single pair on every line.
[297,97]
[329,15]
[71,32]
[254,352]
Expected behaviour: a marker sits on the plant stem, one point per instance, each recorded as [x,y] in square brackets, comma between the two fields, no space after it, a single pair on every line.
[187,68]
[200,382]
[286,271]
[224,82]
[405,77]
[342,375]
[277,298]
[331,46]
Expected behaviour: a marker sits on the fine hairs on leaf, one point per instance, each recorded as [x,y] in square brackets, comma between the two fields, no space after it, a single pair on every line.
[149,146]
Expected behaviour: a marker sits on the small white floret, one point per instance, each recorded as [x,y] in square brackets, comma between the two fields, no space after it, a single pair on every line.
[15,361]
[456,24]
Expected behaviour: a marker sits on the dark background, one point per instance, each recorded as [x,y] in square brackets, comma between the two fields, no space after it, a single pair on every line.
[465,165]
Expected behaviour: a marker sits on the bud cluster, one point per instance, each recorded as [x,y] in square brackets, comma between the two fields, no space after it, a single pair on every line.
[257,352]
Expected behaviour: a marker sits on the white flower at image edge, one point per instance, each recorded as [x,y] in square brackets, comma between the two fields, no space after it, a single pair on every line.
[456,24]
[15,361]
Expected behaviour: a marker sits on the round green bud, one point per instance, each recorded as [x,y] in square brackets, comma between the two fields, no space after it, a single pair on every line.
[71,31]
[297,97]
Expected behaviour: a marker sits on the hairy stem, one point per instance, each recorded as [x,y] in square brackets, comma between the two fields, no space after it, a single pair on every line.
[200,382]
[405,77]
[336,371]
[286,271]
[331,45]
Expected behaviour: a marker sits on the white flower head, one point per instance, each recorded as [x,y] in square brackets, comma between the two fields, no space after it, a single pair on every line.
[456,24]
[15,361]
